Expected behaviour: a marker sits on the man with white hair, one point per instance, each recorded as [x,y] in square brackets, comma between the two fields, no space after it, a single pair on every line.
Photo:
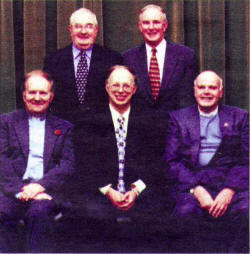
[79,70]
[165,72]
[206,164]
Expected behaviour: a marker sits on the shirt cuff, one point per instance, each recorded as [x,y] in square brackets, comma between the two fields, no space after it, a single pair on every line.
[18,195]
[104,189]
[139,185]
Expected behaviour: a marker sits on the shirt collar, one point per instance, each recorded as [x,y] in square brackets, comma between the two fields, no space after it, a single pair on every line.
[213,113]
[76,52]
[160,48]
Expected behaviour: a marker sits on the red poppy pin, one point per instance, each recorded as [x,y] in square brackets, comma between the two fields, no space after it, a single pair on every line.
[57,132]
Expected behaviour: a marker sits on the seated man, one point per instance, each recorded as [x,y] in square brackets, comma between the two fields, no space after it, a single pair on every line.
[116,182]
[206,163]
[36,158]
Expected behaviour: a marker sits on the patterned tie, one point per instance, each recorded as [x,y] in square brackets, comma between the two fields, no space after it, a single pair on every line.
[121,143]
[81,78]
[154,74]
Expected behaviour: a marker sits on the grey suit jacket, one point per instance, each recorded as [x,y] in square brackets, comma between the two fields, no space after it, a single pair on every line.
[14,151]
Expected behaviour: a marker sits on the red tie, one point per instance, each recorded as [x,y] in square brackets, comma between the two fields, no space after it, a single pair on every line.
[154,74]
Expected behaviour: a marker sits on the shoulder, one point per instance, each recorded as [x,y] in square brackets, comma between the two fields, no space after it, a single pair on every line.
[235,112]
[61,51]
[184,112]
[59,123]
[179,47]
[13,116]
[105,51]
[133,51]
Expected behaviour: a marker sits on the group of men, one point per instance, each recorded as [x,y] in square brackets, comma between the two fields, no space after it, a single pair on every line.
[140,165]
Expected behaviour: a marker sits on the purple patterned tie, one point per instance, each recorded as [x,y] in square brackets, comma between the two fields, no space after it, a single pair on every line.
[81,79]
[121,143]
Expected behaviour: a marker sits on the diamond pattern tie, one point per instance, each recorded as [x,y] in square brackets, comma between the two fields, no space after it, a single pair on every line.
[121,143]
[154,74]
[81,79]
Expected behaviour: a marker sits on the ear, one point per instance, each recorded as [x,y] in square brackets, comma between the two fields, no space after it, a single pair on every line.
[134,89]
[140,26]
[106,87]
[70,28]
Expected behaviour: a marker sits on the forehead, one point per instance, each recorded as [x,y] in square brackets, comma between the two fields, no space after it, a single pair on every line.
[121,76]
[83,18]
[151,14]
[37,83]
[208,80]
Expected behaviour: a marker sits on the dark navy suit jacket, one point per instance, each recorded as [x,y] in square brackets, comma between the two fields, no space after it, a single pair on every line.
[180,69]
[176,91]
[229,165]
[14,151]
[61,67]
[97,165]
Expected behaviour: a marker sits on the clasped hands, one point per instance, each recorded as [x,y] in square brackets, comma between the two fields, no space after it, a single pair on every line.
[215,207]
[121,201]
[33,191]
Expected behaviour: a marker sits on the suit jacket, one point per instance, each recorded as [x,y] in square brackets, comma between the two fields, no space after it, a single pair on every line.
[61,67]
[229,165]
[97,164]
[176,91]
[14,151]
[180,69]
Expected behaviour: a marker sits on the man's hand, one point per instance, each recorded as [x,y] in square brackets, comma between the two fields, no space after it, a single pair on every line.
[204,197]
[115,196]
[31,190]
[221,202]
[129,200]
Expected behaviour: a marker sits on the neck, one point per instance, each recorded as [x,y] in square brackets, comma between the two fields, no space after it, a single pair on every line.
[121,108]
[208,110]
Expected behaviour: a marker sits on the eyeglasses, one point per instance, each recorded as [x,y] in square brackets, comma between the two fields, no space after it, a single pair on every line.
[87,26]
[125,87]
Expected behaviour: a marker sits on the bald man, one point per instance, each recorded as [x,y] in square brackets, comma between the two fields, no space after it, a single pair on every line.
[206,163]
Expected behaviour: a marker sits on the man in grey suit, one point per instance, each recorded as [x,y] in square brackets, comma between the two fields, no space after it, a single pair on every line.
[36,159]
[165,71]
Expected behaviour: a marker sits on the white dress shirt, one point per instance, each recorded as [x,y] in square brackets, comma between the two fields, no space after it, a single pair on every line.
[139,184]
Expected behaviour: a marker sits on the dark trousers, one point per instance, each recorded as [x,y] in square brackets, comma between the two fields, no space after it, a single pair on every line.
[197,231]
[38,218]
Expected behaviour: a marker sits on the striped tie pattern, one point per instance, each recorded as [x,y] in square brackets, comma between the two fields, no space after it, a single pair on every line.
[154,74]
[81,78]
[121,143]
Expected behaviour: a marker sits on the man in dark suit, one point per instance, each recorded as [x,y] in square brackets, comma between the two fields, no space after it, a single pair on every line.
[207,158]
[36,159]
[118,186]
[79,70]
[165,72]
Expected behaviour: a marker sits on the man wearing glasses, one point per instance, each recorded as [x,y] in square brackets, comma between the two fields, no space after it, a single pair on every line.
[79,70]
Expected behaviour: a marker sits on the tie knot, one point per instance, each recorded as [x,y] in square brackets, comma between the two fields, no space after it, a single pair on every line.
[154,51]
[82,53]
[121,120]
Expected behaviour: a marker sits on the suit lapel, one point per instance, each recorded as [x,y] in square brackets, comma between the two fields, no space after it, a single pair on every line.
[67,59]
[22,132]
[169,67]
[193,125]
[143,72]
[50,139]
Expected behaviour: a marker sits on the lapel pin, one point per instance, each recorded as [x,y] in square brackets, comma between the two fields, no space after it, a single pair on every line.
[225,124]
[57,132]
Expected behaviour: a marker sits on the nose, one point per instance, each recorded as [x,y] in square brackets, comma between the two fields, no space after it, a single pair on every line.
[83,30]
[151,25]
[120,89]
[37,96]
